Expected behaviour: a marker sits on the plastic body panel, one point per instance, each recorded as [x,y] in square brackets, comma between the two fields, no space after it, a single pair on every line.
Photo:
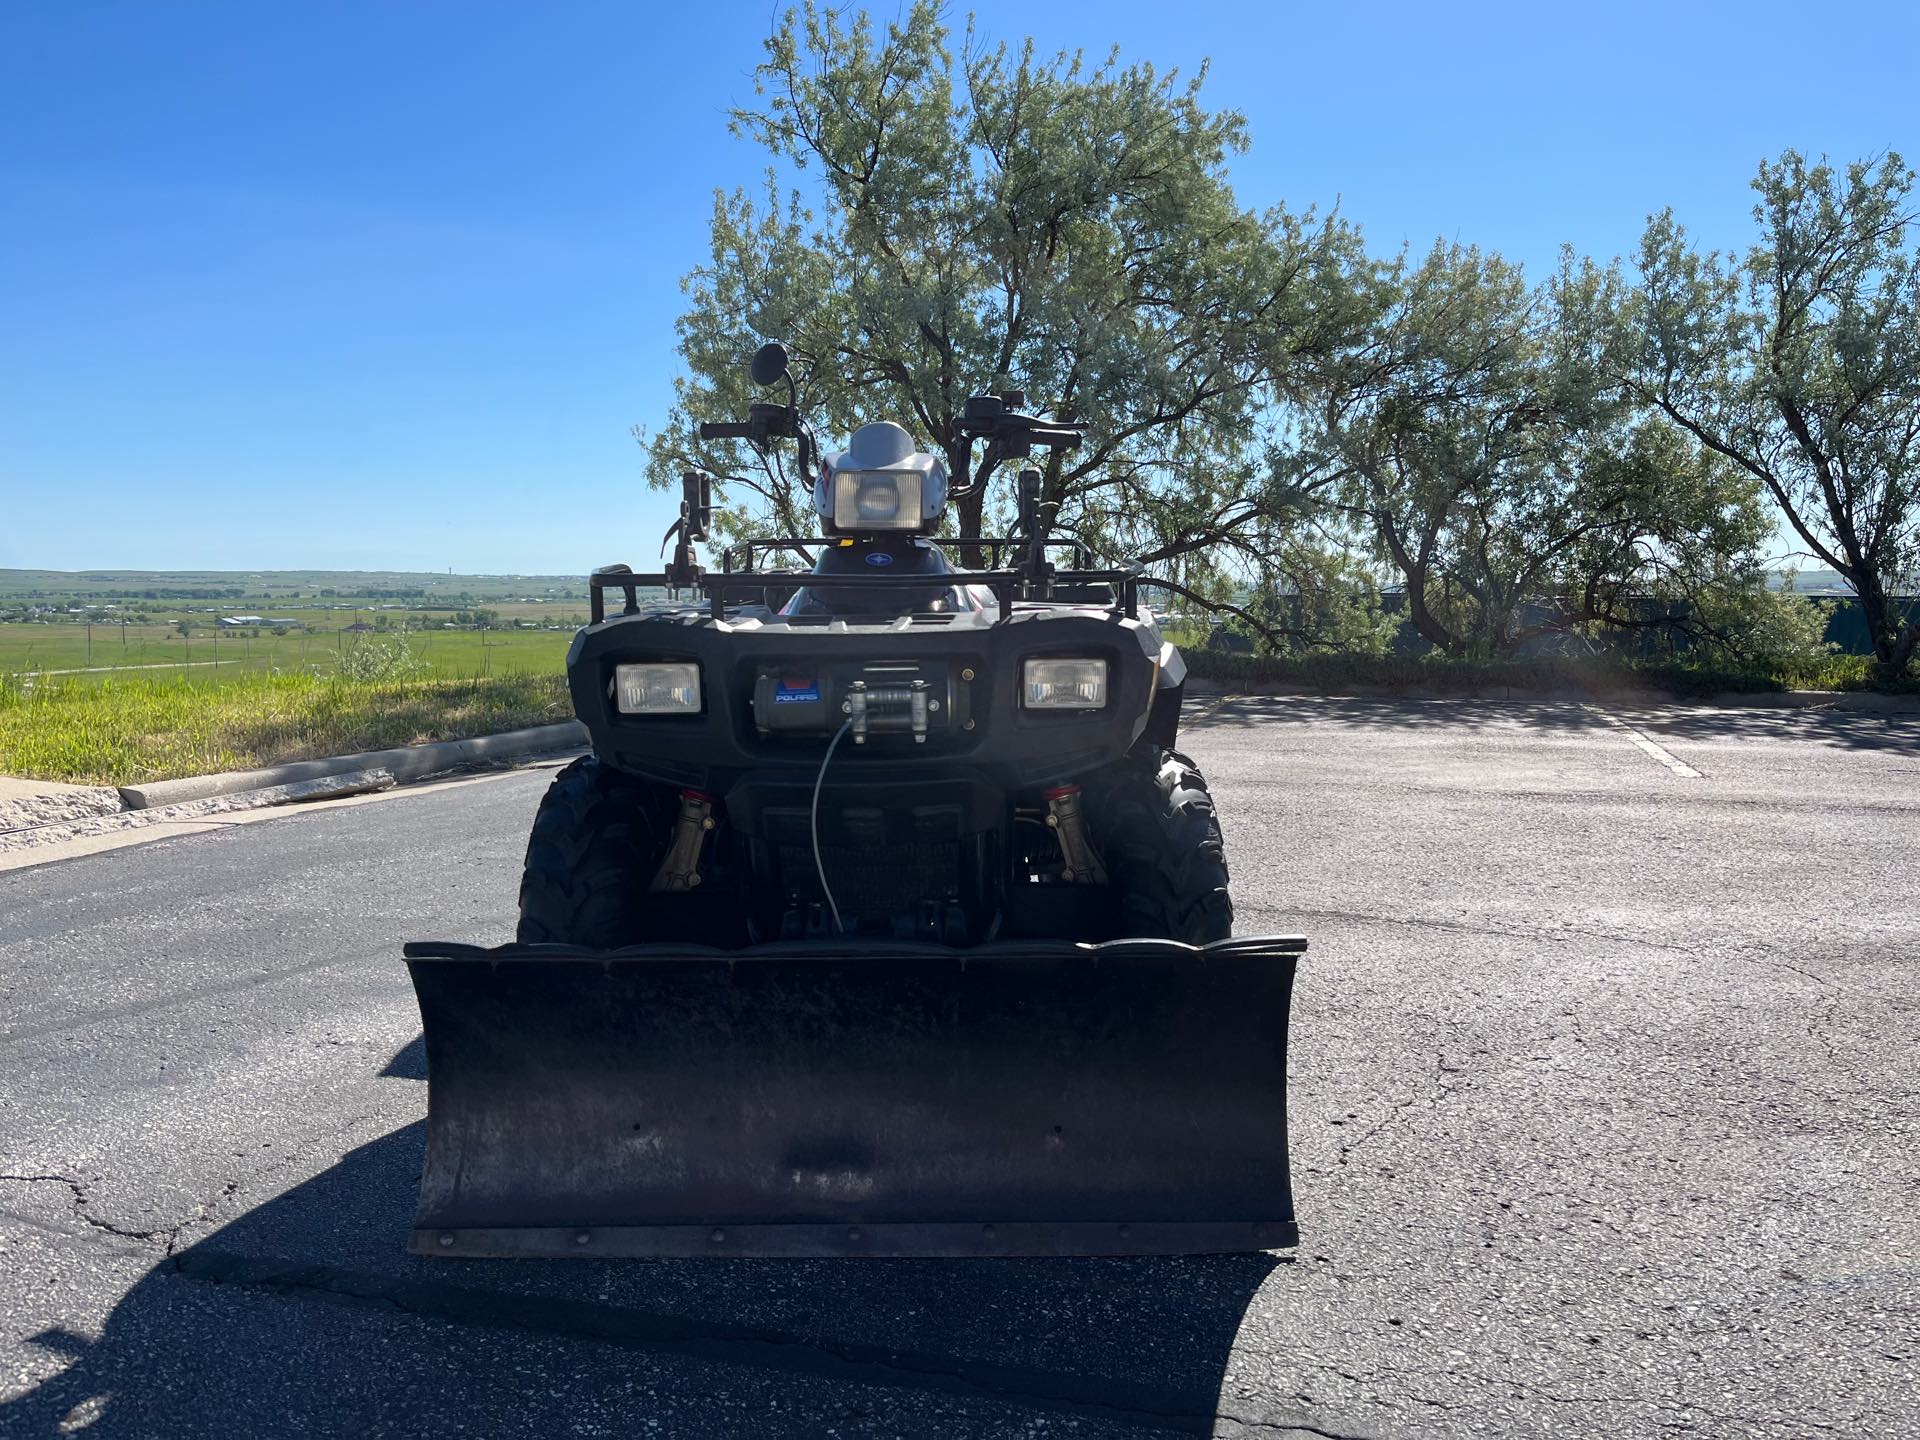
[1004,744]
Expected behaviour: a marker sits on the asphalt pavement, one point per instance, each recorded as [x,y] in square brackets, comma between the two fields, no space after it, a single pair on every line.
[1604,1093]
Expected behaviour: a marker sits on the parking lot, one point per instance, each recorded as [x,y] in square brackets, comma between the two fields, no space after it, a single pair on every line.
[1604,1123]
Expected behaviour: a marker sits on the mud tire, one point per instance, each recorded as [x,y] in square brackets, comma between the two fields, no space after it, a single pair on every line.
[1155,826]
[597,839]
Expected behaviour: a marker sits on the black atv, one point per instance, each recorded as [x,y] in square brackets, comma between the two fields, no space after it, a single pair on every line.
[876,865]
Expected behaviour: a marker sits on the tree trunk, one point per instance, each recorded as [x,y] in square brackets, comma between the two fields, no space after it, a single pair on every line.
[971,508]
[1892,637]
[1424,619]
[1902,638]
[968,509]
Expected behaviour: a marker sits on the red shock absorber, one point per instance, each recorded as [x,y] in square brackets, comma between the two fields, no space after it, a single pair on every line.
[1068,822]
[680,866]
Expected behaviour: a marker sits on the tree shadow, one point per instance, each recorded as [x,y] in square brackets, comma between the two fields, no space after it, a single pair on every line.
[1395,713]
[305,1315]
[1897,732]
[1894,731]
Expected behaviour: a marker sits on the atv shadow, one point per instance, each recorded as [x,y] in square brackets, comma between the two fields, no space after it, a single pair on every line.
[305,1315]
[409,1062]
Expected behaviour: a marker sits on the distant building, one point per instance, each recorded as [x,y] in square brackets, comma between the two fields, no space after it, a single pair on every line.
[231,622]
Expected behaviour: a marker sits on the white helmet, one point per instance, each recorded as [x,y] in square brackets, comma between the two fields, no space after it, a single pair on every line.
[880,482]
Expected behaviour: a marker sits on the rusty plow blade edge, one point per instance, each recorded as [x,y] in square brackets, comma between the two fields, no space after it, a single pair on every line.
[856,1098]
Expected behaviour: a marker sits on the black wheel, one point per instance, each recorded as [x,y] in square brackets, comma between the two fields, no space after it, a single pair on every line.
[1153,821]
[597,840]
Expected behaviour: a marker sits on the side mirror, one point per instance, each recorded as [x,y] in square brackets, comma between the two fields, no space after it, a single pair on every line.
[769,363]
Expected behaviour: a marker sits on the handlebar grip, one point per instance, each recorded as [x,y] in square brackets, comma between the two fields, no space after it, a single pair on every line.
[725,430]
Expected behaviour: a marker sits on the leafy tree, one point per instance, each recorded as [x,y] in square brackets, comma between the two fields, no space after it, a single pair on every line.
[1765,626]
[993,220]
[1800,364]
[1469,431]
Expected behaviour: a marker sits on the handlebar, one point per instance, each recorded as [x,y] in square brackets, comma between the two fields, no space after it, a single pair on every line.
[1002,420]
[726,430]
[1060,437]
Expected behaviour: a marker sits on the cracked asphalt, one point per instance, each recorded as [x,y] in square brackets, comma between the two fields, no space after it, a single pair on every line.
[1604,1120]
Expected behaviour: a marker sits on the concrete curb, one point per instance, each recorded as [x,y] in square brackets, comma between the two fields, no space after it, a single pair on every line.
[54,806]
[411,762]
[1862,701]
[1869,701]
[1479,694]
[326,787]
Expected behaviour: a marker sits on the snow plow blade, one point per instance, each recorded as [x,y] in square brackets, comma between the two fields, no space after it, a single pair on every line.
[832,1098]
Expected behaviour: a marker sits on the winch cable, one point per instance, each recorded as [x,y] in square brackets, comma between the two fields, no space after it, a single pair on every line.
[819,865]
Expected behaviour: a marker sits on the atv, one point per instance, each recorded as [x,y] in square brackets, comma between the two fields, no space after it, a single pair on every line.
[884,916]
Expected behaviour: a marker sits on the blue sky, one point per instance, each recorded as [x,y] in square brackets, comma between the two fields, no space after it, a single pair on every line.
[385,285]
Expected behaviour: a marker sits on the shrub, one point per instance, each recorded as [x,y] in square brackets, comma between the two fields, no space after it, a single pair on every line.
[389,659]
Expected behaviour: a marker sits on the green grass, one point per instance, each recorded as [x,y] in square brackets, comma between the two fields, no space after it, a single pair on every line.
[120,730]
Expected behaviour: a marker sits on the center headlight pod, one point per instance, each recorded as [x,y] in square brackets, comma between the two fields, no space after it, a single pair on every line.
[657,688]
[877,500]
[1064,684]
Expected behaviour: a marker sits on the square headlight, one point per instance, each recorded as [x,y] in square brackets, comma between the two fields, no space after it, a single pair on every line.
[877,500]
[657,688]
[1065,684]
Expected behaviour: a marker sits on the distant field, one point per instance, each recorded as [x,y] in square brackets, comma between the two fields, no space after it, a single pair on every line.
[98,685]
[25,649]
[289,584]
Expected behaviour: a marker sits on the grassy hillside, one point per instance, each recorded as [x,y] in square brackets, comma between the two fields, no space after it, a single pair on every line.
[135,728]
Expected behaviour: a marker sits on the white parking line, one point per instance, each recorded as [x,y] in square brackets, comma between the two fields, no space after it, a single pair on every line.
[1679,767]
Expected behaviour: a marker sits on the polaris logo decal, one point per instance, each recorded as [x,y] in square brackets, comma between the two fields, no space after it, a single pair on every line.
[879,557]
[796,689]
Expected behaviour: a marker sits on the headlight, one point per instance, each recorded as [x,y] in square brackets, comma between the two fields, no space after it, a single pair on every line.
[1066,684]
[657,689]
[877,500]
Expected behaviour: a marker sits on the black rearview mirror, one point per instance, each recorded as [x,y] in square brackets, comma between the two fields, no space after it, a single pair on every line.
[769,363]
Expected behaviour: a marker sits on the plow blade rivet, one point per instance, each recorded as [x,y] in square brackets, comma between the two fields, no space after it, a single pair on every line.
[854,1234]
[583,1238]
[445,1241]
[718,1237]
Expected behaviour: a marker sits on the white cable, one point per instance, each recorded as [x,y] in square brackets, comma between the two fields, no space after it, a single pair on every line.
[814,825]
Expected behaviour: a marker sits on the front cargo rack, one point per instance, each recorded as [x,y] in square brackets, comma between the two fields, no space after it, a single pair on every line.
[1009,587]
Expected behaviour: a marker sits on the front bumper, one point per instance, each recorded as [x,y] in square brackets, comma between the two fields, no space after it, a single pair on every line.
[773,692]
